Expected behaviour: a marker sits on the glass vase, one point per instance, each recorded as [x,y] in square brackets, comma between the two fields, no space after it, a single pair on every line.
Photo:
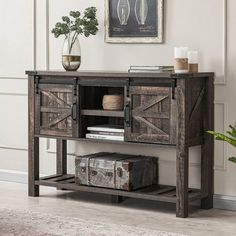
[71,53]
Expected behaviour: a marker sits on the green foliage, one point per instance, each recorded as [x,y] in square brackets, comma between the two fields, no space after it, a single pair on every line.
[233,159]
[76,24]
[230,138]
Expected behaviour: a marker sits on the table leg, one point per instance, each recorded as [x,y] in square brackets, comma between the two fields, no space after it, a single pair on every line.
[61,157]
[116,199]
[182,153]
[33,167]
[33,143]
[207,158]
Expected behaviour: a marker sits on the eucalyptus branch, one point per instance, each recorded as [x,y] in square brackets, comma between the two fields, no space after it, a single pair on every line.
[86,25]
[74,37]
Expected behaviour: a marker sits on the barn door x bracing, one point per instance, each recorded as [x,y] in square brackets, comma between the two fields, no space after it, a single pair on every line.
[149,115]
[58,108]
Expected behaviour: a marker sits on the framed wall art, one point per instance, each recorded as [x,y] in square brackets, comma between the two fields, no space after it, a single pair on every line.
[134,21]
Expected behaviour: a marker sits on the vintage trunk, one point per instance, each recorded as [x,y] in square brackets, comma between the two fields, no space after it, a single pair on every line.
[117,171]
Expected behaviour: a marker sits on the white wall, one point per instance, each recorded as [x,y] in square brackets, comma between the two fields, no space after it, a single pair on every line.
[26,43]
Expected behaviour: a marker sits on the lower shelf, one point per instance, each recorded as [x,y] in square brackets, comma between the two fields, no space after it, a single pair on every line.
[156,192]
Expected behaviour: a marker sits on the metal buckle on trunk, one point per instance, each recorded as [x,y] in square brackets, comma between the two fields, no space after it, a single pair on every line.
[119,172]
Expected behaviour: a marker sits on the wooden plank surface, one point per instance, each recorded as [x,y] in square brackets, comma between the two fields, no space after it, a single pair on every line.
[162,193]
[50,176]
[33,143]
[84,188]
[55,136]
[182,158]
[94,112]
[207,158]
[55,109]
[105,74]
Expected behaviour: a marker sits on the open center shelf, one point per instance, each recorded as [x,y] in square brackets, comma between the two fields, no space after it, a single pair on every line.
[155,192]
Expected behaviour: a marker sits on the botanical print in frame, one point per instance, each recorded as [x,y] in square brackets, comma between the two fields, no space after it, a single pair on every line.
[134,21]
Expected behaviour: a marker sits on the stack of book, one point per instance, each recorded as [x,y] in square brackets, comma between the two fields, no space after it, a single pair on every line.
[154,69]
[106,132]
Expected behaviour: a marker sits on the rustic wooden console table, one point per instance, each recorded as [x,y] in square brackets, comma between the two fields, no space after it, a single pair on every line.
[165,110]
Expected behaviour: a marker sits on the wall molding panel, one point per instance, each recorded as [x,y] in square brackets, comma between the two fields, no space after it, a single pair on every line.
[34,56]
[10,147]
[34,43]
[13,94]
[13,77]
[2,146]
[9,78]
[222,79]
[173,163]
[47,36]
[53,151]
[220,158]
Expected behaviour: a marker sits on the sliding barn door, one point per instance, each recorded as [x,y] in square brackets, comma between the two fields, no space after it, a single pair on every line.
[57,108]
[150,115]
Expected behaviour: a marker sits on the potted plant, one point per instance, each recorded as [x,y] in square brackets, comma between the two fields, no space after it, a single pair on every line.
[71,27]
[231,138]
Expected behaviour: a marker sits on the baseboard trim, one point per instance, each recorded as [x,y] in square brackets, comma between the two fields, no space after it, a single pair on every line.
[220,201]
[225,202]
[13,176]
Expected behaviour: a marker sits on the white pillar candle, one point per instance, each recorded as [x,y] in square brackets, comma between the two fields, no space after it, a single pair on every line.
[193,61]
[181,52]
[181,59]
[193,57]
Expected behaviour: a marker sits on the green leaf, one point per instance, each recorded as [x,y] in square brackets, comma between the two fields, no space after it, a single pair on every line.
[232,132]
[222,137]
[229,139]
[233,159]
[66,19]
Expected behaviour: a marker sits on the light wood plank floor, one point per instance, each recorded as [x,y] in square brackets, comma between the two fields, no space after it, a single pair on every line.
[147,214]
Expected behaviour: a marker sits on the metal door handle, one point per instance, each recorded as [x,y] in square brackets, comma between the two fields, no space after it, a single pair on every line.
[74,112]
[127,114]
